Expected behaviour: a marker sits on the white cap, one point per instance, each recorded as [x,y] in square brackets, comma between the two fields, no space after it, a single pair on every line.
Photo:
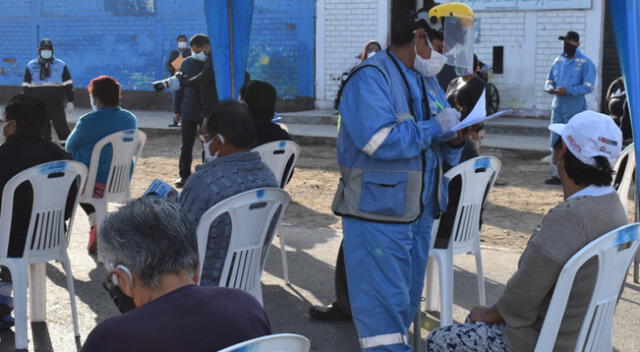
[589,134]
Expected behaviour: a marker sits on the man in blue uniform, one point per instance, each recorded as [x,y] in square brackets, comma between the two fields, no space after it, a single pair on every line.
[571,77]
[47,78]
[390,149]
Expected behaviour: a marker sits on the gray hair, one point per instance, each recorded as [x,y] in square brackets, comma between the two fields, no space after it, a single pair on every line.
[151,236]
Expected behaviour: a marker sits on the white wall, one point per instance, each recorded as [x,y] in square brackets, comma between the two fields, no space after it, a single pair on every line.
[342,29]
[530,40]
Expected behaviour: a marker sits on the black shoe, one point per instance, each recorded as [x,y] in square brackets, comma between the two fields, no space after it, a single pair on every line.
[180,183]
[552,181]
[328,313]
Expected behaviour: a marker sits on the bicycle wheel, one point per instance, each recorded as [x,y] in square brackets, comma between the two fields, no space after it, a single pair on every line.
[493,99]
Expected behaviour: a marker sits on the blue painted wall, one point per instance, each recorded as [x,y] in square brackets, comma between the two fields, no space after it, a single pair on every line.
[131,39]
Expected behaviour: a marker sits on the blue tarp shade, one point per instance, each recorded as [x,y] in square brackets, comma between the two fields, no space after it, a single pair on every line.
[626,23]
[229,25]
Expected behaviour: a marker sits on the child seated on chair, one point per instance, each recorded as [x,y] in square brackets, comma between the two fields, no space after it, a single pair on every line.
[589,146]
[260,97]
[230,168]
[106,118]
[22,147]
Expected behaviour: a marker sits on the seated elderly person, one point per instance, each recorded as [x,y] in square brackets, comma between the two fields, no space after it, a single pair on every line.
[228,134]
[21,147]
[261,98]
[106,118]
[150,246]
[590,144]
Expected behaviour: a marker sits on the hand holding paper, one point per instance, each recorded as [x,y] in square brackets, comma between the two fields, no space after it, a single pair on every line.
[478,114]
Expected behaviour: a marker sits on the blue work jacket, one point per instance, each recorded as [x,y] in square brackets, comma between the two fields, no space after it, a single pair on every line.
[577,75]
[389,160]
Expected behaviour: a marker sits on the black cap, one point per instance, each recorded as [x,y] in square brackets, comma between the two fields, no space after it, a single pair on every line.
[571,35]
[45,43]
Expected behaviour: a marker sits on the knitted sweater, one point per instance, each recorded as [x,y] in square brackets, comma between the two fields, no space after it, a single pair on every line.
[214,182]
[564,231]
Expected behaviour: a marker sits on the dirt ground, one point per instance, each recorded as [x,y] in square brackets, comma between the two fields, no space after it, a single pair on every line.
[516,205]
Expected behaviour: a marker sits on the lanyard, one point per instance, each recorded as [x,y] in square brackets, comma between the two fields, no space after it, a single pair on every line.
[425,102]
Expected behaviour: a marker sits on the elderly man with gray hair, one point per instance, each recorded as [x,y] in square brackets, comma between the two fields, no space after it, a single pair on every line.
[150,249]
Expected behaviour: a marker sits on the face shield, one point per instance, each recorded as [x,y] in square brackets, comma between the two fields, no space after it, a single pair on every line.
[459,36]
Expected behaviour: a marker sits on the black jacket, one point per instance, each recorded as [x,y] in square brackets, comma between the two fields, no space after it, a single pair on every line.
[268,131]
[191,103]
[174,55]
[18,154]
[206,81]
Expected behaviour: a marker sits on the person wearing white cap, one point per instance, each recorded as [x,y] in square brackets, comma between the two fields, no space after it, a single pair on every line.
[588,145]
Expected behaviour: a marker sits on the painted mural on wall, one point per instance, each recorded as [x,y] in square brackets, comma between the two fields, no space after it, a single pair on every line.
[492,5]
[131,39]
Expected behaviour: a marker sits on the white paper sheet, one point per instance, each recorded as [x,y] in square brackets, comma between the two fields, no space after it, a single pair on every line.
[478,114]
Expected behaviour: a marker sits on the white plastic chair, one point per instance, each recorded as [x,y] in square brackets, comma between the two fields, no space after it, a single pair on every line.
[272,343]
[623,187]
[477,178]
[251,214]
[277,155]
[614,251]
[46,239]
[127,146]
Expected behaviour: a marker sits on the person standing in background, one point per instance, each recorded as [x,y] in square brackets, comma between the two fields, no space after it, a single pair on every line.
[48,79]
[173,64]
[571,77]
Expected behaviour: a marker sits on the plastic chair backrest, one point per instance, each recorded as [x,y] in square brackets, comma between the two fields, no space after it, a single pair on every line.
[51,183]
[614,251]
[272,343]
[478,176]
[127,146]
[277,155]
[251,215]
[629,155]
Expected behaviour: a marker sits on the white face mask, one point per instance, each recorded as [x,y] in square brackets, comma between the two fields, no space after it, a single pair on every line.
[431,66]
[208,157]
[46,54]
[371,54]
[201,56]
[182,45]
[3,138]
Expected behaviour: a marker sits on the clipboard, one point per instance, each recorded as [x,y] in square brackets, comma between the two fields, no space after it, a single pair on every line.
[177,63]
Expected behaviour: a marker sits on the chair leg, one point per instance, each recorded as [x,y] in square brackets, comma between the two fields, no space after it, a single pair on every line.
[636,268]
[19,277]
[446,288]
[283,253]
[431,287]
[72,293]
[482,295]
[38,292]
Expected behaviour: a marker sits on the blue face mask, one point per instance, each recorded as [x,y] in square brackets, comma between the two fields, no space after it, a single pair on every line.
[201,56]
[46,54]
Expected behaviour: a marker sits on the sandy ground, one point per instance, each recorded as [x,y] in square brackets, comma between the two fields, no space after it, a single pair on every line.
[516,205]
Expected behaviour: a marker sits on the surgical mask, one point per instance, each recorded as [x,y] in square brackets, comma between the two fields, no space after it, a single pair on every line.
[371,54]
[570,49]
[201,56]
[46,54]
[122,301]
[182,45]
[431,66]
[3,138]
[208,157]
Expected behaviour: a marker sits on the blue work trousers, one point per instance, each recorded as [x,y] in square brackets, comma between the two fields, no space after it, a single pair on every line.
[385,273]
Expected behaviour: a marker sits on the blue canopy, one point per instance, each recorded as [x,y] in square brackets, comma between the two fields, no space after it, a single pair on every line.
[229,25]
[626,24]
